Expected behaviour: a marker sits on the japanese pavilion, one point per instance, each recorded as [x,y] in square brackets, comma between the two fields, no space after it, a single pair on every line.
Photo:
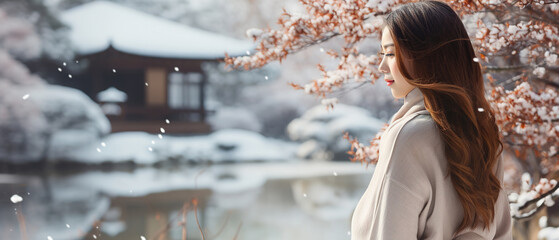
[144,69]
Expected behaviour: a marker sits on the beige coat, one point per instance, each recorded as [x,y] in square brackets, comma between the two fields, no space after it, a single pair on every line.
[409,196]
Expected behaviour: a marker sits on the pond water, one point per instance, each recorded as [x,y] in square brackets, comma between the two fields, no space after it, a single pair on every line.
[287,200]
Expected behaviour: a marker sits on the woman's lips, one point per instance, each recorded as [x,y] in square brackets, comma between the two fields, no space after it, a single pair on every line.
[389,81]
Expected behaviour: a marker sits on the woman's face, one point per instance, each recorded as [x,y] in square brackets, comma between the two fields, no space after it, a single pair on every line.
[392,75]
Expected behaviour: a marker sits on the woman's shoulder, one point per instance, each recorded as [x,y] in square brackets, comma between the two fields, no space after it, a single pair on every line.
[418,144]
[417,156]
[418,130]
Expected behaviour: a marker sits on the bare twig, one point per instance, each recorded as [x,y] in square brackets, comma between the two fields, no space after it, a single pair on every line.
[195,202]
[222,227]
[21,221]
[184,212]
[238,230]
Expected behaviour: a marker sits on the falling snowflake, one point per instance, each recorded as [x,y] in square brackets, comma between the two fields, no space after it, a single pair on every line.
[64,63]
[142,238]
[162,130]
[16,198]
[480,109]
[49,238]
[68,225]
[160,136]
[266,77]
[167,121]
[150,149]
[146,84]
[476,59]
[304,195]
[152,142]
[25,97]
[103,144]
[335,174]
[98,149]
[176,69]
[114,70]
[60,69]
[69,75]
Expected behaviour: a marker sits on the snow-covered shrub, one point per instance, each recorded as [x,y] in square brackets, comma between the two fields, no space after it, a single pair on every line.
[326,128]
[37,119]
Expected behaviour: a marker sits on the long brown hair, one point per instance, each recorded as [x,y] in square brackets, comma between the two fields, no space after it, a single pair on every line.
[434,54]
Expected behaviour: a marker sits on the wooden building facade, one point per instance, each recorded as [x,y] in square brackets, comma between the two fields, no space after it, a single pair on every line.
[157,63]
[157,89]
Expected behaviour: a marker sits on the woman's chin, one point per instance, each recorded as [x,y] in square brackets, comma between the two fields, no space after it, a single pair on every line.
[395,94]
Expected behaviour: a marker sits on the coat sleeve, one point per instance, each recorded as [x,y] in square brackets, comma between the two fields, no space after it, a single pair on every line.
[503,219]
[407,186]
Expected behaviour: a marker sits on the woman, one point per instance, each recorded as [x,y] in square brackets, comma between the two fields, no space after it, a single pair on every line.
[439,174]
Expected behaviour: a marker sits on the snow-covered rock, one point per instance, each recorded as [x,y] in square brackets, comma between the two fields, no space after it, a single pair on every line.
[241,145]
[234,117]
[324,129]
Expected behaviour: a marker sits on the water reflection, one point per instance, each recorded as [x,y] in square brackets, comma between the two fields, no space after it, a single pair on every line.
[294,200]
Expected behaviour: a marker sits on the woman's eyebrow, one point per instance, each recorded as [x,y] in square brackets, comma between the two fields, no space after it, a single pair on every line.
[388,45]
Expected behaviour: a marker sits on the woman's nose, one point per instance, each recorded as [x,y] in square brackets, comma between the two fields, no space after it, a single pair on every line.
[383,68]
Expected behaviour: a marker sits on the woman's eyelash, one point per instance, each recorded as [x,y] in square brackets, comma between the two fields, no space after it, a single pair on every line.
[387,54]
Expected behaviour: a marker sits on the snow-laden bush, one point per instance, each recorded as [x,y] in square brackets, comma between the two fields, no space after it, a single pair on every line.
[321,130]
[38,120]
[74,119]
[50,121]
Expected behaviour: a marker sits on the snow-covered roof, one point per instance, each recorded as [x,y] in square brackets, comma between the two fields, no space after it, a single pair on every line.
[97,25]
[111,95]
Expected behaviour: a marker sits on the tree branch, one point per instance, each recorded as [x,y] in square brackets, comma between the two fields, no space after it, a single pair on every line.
[530,214]
[535,200]
[504,68]
[548,82]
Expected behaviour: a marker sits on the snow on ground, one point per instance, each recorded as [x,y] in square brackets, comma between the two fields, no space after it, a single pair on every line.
[228,145]
[136,32]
